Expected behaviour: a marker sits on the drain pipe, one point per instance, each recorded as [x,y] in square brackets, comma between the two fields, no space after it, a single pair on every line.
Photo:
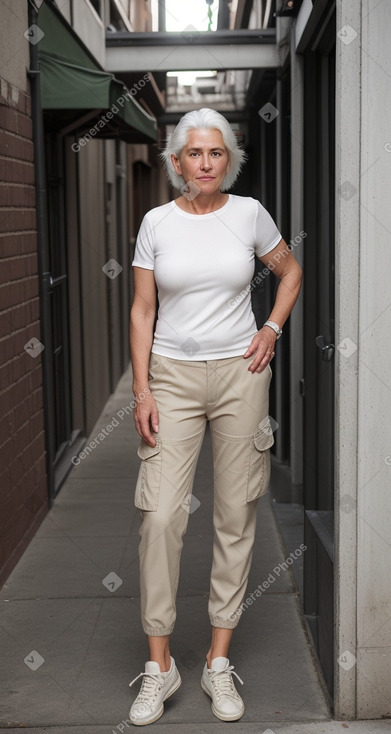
[43,252]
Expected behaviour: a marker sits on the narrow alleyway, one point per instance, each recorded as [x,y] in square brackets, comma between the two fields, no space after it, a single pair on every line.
[71,635]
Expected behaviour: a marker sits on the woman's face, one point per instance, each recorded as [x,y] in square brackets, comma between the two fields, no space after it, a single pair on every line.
[204,160]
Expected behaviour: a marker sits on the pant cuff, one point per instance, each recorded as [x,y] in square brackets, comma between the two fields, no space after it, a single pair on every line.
[158,631]
[228,624]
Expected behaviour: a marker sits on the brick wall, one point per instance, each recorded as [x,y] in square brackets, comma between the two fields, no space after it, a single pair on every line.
[23,491]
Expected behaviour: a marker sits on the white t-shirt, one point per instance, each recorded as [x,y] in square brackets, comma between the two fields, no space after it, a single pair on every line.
[202,263]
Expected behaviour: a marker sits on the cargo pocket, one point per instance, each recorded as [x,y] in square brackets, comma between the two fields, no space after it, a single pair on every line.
[148,480]
[259,471]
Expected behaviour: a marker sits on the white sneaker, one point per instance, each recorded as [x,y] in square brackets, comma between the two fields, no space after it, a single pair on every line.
[155,688]
[217,682]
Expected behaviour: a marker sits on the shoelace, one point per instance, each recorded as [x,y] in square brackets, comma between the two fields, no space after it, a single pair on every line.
[223,683]
[149,687]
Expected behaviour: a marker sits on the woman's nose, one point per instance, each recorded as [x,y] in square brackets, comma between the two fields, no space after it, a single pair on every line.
[205,162]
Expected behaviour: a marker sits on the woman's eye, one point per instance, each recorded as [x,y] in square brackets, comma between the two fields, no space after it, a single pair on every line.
[214,154]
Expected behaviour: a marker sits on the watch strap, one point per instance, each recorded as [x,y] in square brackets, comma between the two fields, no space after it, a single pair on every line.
[275,327]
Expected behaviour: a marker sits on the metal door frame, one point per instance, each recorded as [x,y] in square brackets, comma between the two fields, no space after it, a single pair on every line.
[319,383]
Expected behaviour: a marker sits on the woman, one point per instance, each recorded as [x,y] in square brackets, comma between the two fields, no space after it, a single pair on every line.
[206,361]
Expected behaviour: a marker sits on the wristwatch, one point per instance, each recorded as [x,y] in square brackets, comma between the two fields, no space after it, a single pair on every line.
[275,327]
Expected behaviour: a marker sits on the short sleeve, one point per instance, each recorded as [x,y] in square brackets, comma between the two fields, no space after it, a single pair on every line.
[266,235]
[144,253]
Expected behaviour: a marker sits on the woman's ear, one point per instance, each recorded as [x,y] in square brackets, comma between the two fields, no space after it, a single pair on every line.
[176,164]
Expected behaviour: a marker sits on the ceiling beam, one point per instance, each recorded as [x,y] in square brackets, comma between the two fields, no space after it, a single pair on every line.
[190,50]
[190,35]
[172,118]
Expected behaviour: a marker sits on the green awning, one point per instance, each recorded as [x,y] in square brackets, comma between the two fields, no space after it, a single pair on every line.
[73,82]
[65,86]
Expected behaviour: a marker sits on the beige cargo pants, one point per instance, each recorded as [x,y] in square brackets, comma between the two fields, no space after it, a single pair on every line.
[235,401]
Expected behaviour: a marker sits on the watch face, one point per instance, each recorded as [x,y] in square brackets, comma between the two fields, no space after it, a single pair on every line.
[275,328]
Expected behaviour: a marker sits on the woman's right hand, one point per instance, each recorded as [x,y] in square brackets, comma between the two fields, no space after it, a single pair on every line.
[146,418]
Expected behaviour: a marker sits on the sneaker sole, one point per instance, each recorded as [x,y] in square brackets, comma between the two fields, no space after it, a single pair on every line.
[160,711]
[222,717]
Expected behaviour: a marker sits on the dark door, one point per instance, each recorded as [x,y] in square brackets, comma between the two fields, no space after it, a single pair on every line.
[141,191]
[319,111]
[60,409]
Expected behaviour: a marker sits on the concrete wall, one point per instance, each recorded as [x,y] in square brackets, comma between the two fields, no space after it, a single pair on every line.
[363,383]
[374,428]
[87,24]
[65,8]
[90,29]
[14,46]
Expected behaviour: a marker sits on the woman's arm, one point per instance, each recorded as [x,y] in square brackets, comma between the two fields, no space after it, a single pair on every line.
[142,317]
[281,261]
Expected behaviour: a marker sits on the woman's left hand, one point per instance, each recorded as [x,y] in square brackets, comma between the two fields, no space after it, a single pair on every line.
[262,346]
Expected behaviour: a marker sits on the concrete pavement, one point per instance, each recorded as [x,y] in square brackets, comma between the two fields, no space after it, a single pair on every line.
[70,629]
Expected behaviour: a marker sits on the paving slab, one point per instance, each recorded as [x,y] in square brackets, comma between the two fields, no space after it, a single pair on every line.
[69,661]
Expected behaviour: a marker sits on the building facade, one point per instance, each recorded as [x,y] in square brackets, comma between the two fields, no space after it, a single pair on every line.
[77,177]
[24,494]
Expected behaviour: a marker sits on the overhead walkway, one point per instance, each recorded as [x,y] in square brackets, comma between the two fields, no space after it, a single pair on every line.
[192,49]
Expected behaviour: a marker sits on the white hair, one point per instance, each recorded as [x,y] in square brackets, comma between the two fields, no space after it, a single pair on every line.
[203,118]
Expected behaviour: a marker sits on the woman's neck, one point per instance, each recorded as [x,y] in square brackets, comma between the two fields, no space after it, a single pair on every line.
[202,204]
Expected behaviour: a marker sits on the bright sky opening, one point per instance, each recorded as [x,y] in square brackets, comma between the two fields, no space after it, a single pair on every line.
[180,14]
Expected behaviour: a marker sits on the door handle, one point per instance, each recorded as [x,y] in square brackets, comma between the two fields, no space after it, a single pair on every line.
[325,347]
[55,281]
